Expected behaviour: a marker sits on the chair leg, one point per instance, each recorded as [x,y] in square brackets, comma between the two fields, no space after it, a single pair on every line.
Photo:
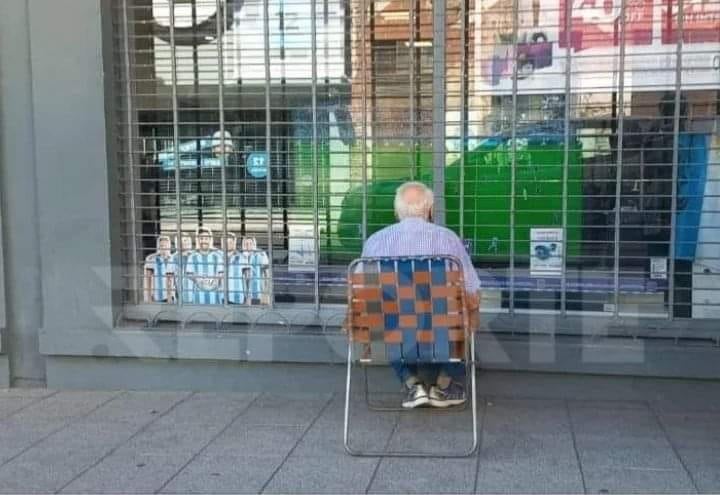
[473,393]
[346,425]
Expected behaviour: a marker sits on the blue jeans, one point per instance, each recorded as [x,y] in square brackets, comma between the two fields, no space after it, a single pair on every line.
[429,371]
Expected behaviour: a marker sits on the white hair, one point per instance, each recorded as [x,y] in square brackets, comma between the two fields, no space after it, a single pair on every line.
[416,209]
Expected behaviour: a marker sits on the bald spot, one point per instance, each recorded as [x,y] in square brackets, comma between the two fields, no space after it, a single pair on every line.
[413,195]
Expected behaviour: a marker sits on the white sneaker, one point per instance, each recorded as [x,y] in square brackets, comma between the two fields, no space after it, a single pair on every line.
[416,396]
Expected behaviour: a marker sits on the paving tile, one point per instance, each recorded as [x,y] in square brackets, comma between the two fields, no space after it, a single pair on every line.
[692,429]
[637,481]
[64,455]
[528,463]
[256,440]
[433,431]
[327,438]
[209,408]
[615,423]
[407,475]
[285,409]
[326,474]
[136,407]
[129,471]
[638,455]
[546,475]
[161,438]
[17,435]
[607,404]
[65,406]
[224,474]
[46,470]
[11,403]
[529,416]
[703,463]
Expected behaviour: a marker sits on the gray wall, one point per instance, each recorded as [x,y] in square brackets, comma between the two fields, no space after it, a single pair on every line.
[19,209]
[4,367]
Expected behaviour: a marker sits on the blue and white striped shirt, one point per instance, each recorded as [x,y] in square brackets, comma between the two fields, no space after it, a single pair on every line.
[417,237]
[204,269]
[256,261]
[235,278]
[161,267]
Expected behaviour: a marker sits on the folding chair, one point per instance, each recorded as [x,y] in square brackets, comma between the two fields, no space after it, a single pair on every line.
[413,310]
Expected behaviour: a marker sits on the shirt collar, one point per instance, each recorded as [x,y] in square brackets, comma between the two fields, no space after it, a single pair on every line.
[413,220]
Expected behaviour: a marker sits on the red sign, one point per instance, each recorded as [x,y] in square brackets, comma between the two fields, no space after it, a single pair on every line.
[596,23]
[701,21]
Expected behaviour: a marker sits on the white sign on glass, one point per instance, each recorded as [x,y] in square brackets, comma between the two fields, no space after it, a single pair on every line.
[546,252]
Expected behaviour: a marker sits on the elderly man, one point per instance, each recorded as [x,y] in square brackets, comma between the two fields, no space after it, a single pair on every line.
[416,235]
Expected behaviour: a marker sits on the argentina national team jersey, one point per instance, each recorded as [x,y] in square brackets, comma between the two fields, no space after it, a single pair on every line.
[161,267]
[203,269]
[235,280]
[256,260]
[186,282]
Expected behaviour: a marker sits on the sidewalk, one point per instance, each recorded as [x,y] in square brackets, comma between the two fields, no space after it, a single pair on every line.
[540,433]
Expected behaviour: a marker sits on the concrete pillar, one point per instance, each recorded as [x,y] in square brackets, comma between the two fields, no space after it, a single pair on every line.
[19,197]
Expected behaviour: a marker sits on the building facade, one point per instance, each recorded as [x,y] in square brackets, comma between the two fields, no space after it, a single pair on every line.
[184,182]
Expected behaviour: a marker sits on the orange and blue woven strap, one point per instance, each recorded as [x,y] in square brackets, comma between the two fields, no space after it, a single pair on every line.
[415,302]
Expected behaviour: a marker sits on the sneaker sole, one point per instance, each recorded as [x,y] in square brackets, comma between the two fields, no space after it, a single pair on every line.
[420,401]
[446,403]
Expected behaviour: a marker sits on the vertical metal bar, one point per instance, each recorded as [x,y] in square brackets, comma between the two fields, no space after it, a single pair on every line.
[438,140]
[566,154]
[513,155]
[618,170]
[411,81]
[180,270]
[220,18]
[268,147]
[130,151]
[675,154]
[316,168]
[364,164]
[463,117]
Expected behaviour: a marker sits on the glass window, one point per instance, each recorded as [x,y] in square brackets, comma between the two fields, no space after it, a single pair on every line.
[262,142]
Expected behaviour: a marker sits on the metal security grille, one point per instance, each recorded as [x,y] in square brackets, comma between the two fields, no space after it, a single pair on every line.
[572,144]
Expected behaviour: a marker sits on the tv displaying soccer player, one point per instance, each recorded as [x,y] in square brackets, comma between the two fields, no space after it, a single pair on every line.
[204,270]
[158,280]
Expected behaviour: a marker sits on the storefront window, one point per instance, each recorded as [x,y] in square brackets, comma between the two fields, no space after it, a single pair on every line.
[263,141]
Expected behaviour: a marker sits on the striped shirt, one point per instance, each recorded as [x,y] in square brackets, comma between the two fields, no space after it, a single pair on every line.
[203,269]
[235,279]
[161,267]
[180,266]
[256,261]
[417,237]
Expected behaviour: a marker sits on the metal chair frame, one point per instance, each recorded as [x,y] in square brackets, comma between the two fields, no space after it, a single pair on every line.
[470,370]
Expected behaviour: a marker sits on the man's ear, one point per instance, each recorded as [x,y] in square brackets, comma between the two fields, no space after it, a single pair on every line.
[430,215]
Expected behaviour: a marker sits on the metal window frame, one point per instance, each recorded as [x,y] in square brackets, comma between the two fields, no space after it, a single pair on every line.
[438,140]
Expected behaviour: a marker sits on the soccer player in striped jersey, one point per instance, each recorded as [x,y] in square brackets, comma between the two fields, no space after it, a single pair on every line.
[180,266]
[205,268]
[256,263]
[159,269]
[236,264]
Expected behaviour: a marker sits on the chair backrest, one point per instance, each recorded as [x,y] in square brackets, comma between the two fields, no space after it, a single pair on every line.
[414,305]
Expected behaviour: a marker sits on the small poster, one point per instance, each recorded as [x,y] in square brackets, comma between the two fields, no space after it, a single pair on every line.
[546,252]
[301,249]
[257,165]
[658,268]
